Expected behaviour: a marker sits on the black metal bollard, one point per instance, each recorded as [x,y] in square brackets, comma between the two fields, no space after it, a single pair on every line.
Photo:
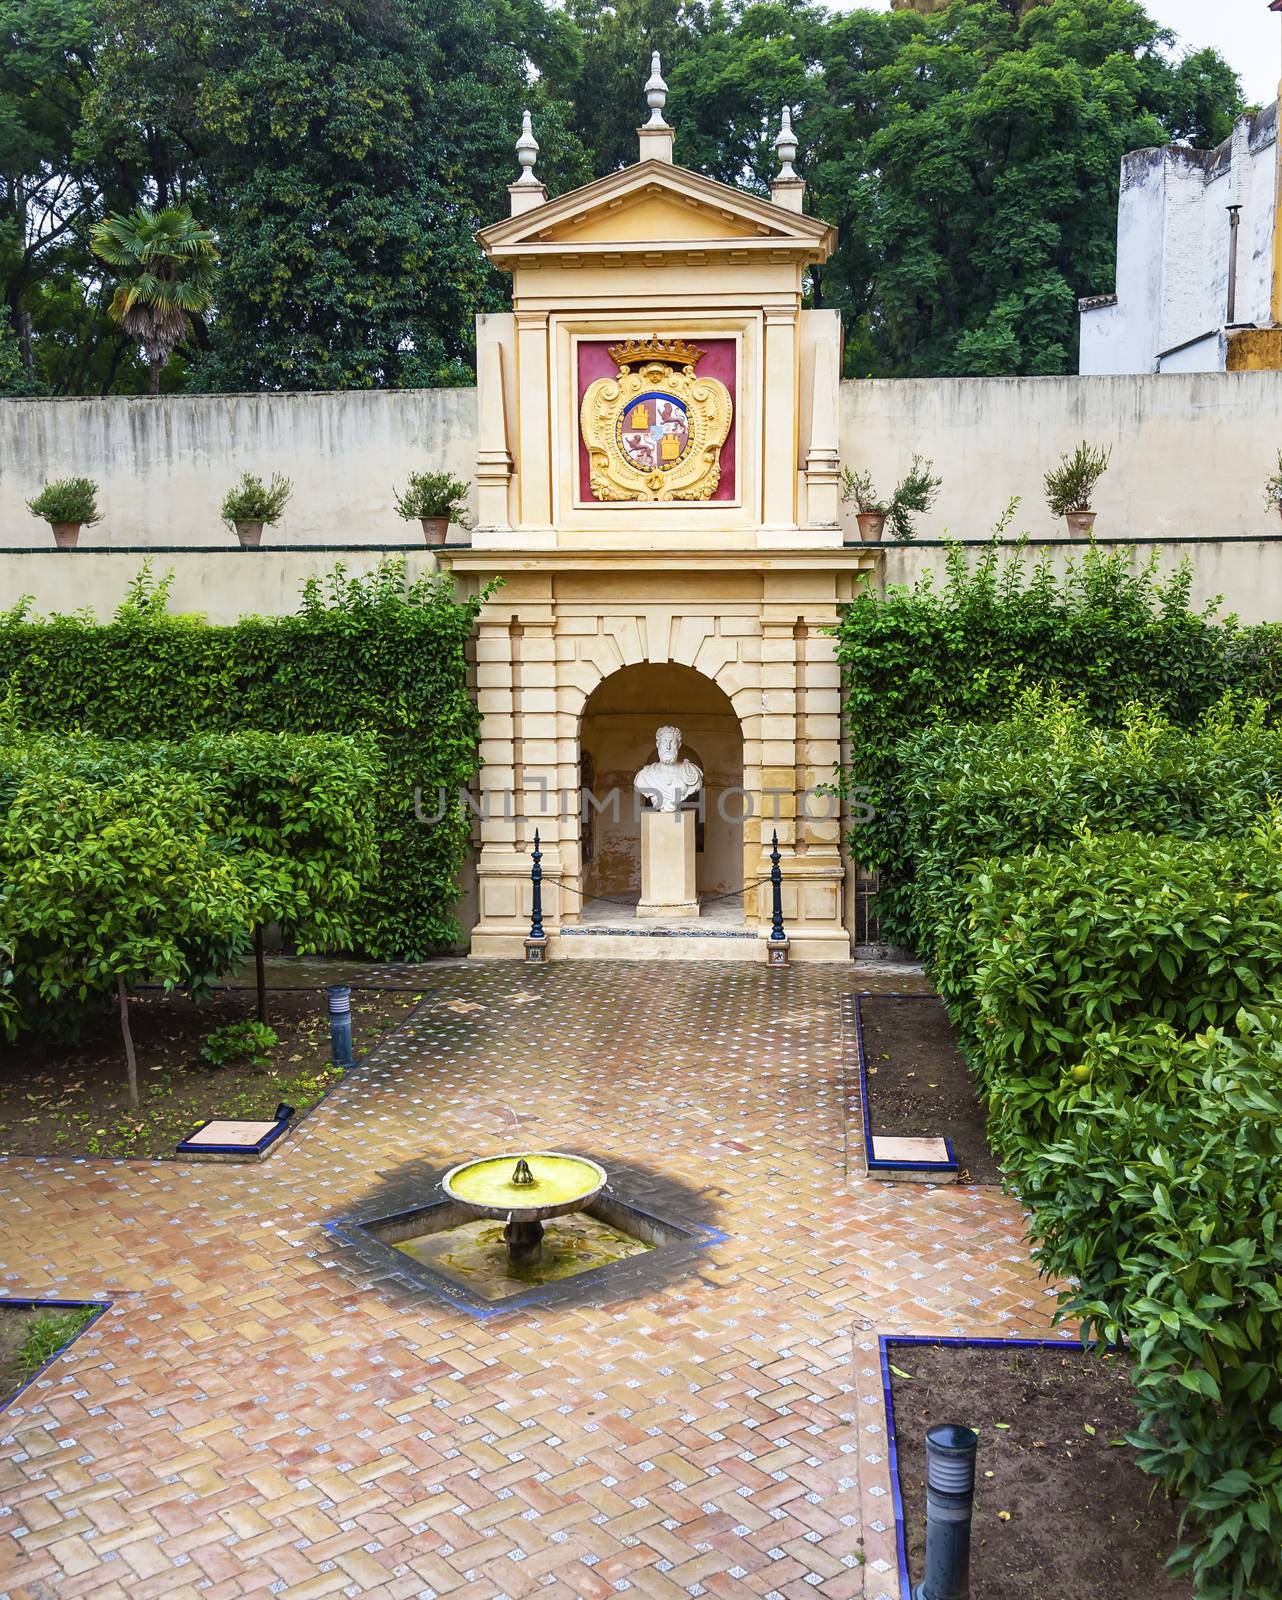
[537,943]
[777,944]
[950,1498]
[340,1024]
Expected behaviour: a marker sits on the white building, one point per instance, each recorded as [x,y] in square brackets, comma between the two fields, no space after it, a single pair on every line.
[1199,260]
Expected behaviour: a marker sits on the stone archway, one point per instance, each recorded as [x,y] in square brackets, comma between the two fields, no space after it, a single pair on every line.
[616,738]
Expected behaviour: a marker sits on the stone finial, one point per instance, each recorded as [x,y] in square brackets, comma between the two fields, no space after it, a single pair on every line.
[527,191]
[656,93]
[786,146]
[527,152]
[789,187]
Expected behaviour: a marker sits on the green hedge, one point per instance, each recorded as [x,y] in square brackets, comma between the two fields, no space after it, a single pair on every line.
[1116,992]
[368,655]
[973,792]
[965,650]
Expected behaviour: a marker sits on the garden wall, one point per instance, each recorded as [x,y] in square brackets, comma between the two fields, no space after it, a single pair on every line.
[1190,453]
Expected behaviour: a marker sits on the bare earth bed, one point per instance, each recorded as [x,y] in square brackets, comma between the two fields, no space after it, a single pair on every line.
[918,1083]
[1083,1519]
[72,1099]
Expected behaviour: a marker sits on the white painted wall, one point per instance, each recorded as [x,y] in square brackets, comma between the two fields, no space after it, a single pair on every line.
[1190,455]
[164,465]
[1173,253]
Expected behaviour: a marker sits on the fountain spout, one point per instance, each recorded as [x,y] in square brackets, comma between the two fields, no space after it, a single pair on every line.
[521,1173]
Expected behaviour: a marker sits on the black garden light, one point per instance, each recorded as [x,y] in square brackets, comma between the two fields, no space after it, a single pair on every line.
[950,1497]
[340,1024]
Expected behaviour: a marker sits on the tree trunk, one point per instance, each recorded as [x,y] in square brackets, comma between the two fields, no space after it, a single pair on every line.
[122,994]
[260,972]
[24,340]
[154,364]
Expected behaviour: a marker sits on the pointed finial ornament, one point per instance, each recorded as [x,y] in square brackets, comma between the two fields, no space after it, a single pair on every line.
[527,153]
[656,93]
[786,146]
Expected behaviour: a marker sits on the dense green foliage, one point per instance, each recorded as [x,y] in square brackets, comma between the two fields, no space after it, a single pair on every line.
[370,655]
[1100,910]
[344,153]
[966,649]
[249,1040]
[252,500]
[67,500]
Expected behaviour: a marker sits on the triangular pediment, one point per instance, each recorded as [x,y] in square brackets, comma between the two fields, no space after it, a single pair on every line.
[651,204]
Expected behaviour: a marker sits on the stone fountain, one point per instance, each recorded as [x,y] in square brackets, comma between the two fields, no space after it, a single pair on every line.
[524,1191]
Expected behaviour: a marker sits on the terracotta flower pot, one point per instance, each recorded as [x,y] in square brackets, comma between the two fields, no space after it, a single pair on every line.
[872,524]
[249,534]
[66,534]
[1080,523]
[435,529]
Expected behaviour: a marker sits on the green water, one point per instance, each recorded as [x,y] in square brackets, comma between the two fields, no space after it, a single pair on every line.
[556,1180]
[474,1253]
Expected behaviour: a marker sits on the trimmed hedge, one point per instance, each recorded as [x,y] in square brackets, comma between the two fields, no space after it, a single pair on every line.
[1116,993]
[371,655]
[965,650]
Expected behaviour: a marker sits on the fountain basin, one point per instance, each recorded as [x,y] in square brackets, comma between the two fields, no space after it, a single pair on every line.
[561,1184]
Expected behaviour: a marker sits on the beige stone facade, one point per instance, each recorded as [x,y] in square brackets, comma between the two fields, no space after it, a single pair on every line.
[615,615]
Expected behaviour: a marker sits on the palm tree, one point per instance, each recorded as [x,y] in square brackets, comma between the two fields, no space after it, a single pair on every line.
[170,259]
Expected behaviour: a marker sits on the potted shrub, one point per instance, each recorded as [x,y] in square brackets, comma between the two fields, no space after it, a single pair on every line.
[914,493]
[1070,485]
[1273,488]
[67,505]
[436,499]
[253,504]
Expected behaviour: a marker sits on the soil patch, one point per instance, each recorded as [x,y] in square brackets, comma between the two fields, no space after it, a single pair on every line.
[918,1083]
[21,1353]
[1083,1519]
[73,1099]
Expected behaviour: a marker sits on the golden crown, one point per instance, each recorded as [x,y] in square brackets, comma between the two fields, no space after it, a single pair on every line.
[675,351]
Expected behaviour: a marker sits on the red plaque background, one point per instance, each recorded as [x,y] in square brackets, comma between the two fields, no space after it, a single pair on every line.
[718,361]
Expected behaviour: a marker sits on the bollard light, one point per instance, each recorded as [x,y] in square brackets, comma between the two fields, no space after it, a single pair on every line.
[950,1498]
[340,1024]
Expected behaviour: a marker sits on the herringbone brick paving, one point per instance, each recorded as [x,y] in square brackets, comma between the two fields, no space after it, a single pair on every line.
[255,1416]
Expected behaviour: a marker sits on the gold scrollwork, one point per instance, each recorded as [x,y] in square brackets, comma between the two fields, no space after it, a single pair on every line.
[655,432]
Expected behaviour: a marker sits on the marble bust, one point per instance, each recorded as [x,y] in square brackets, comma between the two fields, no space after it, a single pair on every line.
[665,783]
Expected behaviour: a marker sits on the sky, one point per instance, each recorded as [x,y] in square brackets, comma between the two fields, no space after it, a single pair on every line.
[1245,32]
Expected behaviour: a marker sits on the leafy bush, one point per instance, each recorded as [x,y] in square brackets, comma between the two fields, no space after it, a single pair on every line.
[67,500]
[972,792]
[106,886]
[964,651]
[1116,996]
[250,1041]
[371,654]
[433,494]
[254,501]
[1273,488]
[1162,1210]
[1070,485]
[916,492]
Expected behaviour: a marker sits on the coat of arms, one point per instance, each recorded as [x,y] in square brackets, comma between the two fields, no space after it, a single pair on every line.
[656,431]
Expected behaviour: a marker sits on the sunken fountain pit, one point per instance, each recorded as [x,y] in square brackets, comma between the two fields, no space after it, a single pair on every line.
[523,1228]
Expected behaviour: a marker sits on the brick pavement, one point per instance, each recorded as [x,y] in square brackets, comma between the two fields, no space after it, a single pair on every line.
[254,1416]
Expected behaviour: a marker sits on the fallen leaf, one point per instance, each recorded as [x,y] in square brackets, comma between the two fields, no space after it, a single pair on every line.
[1002,1425]
[899,1372]
[1003,1516]
[1089,1429]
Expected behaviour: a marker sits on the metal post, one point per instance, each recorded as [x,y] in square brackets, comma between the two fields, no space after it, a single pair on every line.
[777,944]
[340,1024]
[537,943]
[1234,217]
[950,1497]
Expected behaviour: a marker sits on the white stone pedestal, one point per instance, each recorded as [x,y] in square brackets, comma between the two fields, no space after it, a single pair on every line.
[667,865]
